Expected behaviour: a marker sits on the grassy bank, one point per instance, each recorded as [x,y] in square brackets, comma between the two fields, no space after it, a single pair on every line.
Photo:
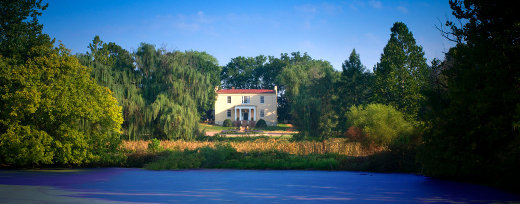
[264,153]
[225,156]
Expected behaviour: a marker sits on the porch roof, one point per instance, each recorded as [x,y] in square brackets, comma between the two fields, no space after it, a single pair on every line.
[245,106]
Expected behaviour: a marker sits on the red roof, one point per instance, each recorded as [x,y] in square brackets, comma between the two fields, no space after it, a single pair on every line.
[243,91]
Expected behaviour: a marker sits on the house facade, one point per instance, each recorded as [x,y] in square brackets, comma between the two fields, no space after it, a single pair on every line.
[246,105]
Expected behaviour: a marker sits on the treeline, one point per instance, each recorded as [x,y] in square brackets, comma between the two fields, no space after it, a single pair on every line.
[316,98]
[461,114]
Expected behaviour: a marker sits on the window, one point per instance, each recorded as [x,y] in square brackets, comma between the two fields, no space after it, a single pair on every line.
[229,99]
[262,114]
[246,99]
[229,113]
[261,99]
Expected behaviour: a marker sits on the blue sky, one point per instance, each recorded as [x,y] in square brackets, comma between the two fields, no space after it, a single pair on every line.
[327,30]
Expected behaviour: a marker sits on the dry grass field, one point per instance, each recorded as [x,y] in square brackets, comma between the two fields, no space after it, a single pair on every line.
[334,145]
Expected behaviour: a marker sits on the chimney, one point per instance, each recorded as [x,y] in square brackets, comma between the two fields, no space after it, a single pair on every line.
[275,88]
[216,88]
[232,87]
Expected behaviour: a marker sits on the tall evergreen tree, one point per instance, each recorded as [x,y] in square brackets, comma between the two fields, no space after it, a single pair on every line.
[402,72]
[354,86]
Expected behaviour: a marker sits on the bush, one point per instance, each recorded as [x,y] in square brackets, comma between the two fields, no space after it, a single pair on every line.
[154,145]
[380,124]
[187,159]
[227,123]
[261,124]
[213,157]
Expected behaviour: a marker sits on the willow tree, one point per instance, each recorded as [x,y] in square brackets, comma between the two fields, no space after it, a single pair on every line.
[309,89]
[163,94]
[112,67]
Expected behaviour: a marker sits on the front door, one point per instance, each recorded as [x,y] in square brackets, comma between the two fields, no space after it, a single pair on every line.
[245,116]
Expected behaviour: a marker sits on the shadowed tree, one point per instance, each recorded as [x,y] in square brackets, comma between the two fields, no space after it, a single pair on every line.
[354,86]
[475,109]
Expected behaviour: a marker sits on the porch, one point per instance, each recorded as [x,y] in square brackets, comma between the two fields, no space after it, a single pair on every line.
[245,117]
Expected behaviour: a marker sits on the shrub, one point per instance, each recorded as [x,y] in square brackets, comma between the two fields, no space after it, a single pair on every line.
[227,123]
[213,157]
[380,124]
[154,145]
[261,124]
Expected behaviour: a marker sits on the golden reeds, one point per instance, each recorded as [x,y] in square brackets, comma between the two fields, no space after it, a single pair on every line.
[334,145]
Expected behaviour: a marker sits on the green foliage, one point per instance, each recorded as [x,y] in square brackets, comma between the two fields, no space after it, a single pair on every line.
[310,91]
[154,145]
[53,113]
[282,160]
[214,157]
[475,98]
[380,124]
[20,30]
[225,156]
[163,94]
[353,88]
[227,123]
[402,73]
[261,124]
[243,73]
[176,160]
[25,145]
[262,73]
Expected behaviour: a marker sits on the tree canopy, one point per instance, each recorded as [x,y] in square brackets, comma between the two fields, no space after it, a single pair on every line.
[52,110]
[402,72]
[54,113]
[163,94]
[20,30]
[309,86]
[475,108]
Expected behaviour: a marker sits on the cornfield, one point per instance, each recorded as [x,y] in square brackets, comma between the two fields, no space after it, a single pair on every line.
[335,145]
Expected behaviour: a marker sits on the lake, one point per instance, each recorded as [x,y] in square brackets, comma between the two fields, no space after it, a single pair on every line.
[120,185]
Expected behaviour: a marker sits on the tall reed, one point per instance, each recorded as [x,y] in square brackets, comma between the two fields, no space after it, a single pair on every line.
[335,145]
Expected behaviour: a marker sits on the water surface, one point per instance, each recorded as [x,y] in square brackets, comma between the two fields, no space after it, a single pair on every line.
[236,186]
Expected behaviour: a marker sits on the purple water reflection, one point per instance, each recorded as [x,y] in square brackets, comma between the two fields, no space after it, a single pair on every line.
[137,185]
